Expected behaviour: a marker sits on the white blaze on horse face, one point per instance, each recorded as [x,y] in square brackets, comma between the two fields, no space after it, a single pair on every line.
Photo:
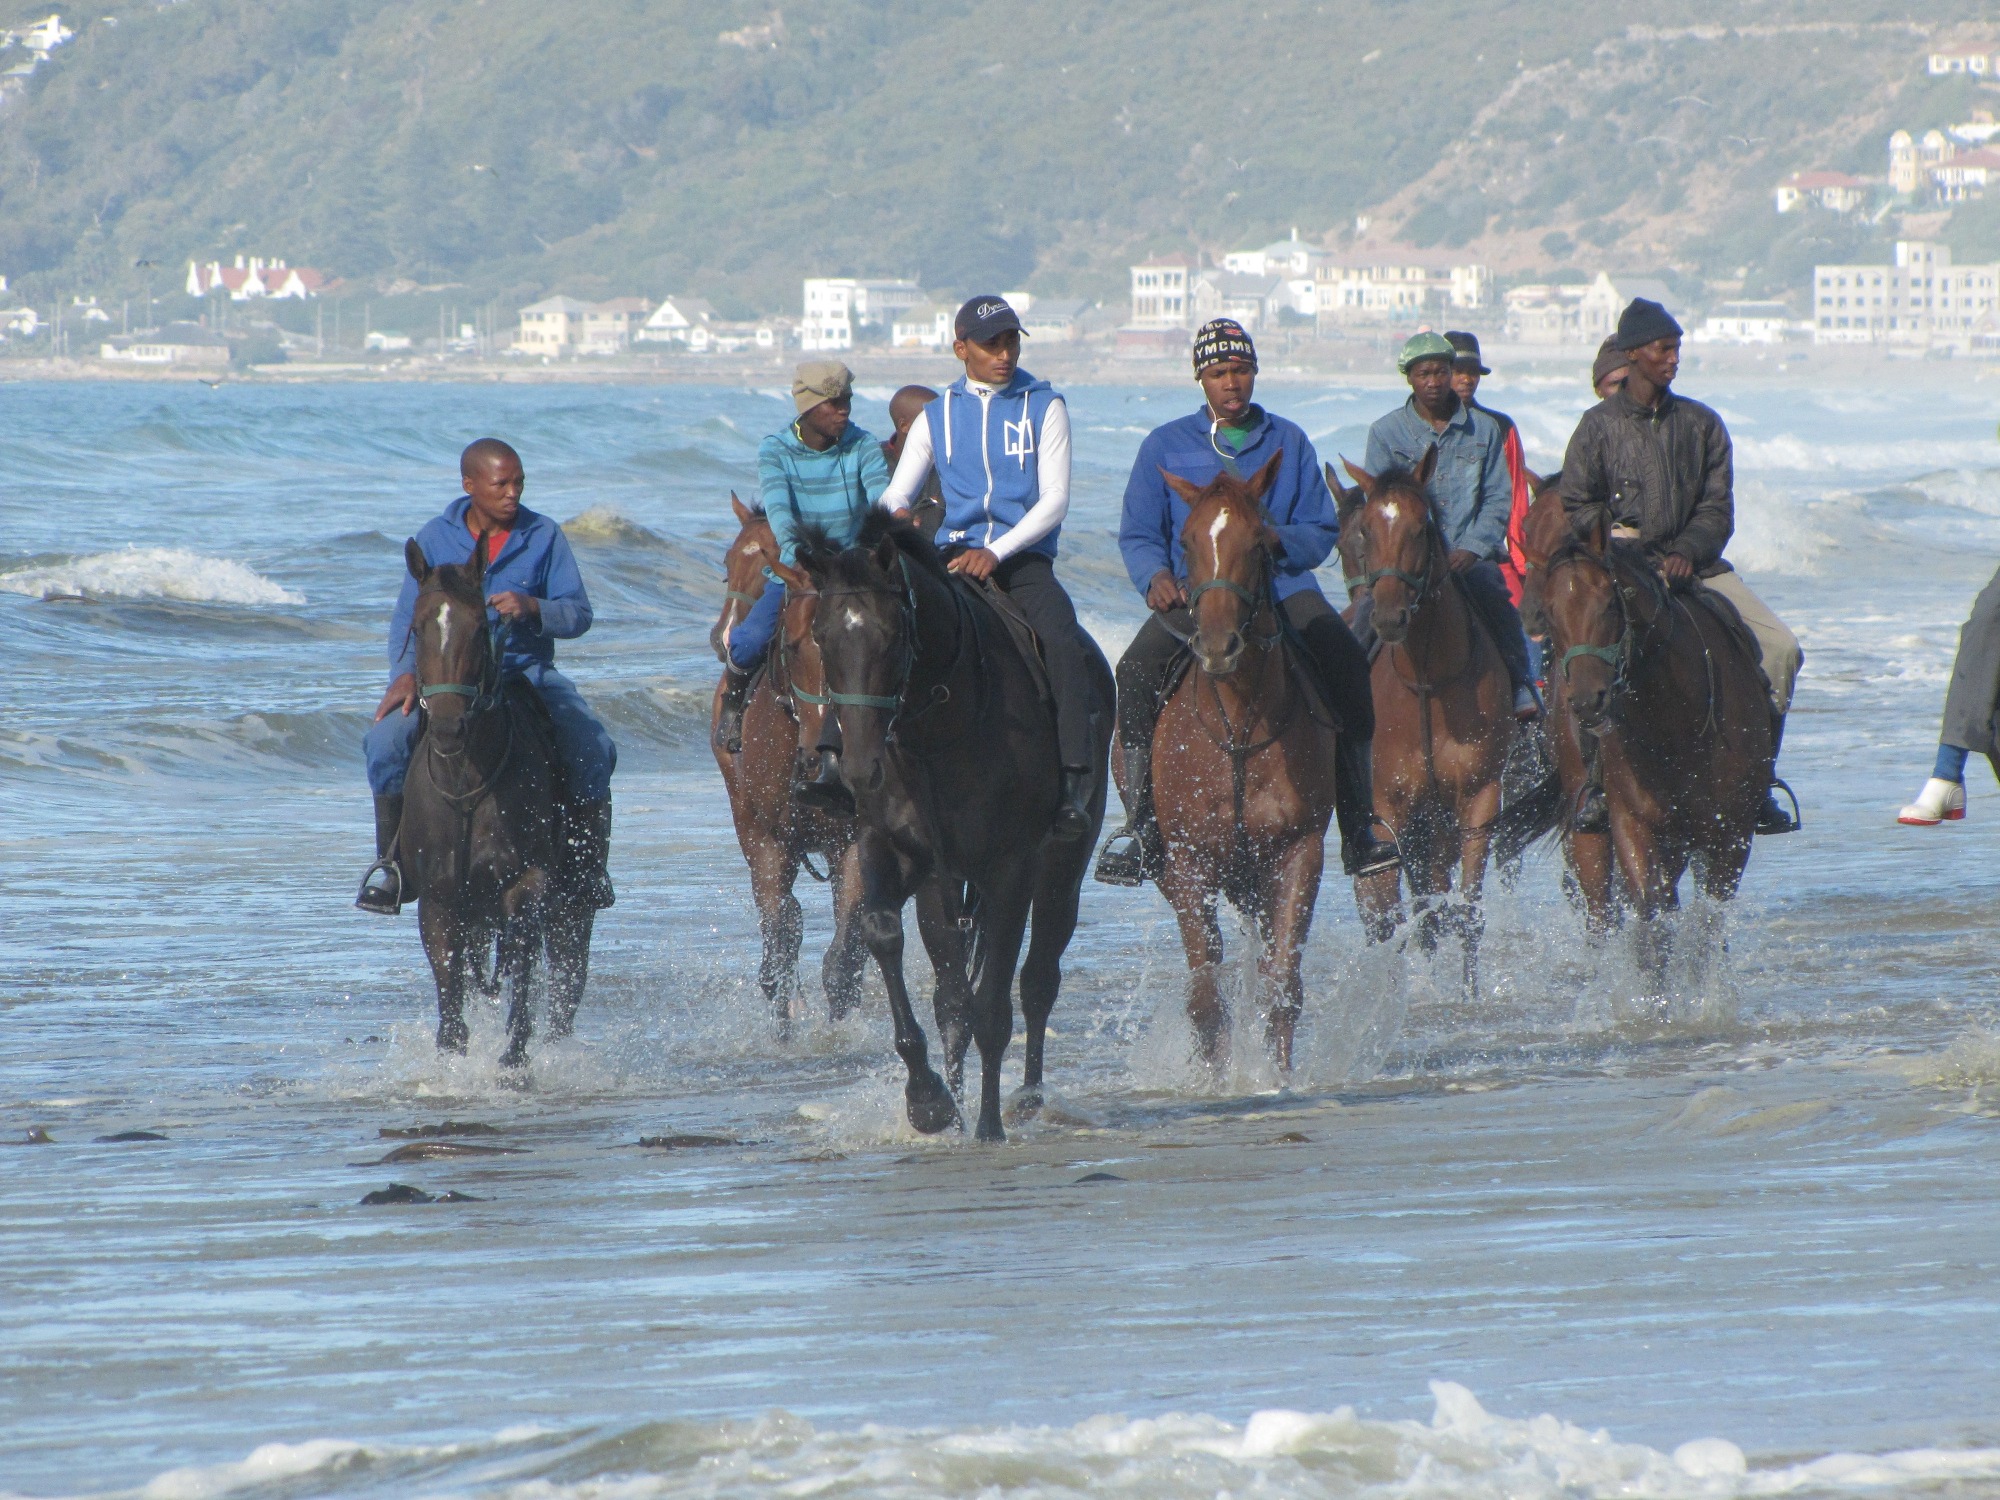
[851,618]
[1390,512]
[444,628]
[1215,529]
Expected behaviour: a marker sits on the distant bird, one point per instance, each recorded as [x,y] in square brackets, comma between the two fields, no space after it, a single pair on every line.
[1690,99]
[480,166]
[1665,140]
[1745,141]
[142,264]
[832,194]
[211,384]
[1241,166]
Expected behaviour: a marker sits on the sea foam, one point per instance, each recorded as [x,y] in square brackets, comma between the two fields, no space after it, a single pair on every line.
[149,573]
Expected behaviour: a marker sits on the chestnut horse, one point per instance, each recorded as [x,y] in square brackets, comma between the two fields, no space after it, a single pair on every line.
[781,722]
[1443,713]
[1242,765]
[1677,702]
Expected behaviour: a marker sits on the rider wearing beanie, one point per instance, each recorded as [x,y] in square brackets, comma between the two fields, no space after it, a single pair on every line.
[998,440]
[1231,432]
[1664,467]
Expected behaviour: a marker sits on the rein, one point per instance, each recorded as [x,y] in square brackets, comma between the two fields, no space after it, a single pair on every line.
[1632,647]
[486,694]
[1424,587]
[892,703]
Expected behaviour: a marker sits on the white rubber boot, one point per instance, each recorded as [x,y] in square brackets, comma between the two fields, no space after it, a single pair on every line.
[1939,802]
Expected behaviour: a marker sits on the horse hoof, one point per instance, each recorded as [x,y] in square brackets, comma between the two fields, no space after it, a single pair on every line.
[990,1133]
[1025,1105]
[514,1057]
[931,1105]
[453,1039]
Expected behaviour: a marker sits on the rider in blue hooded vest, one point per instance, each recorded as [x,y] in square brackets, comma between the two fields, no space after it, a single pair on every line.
[535,590]
[999,441]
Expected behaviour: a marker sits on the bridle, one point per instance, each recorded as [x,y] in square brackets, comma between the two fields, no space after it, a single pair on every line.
[1421,584]
[1618,658]
[1254,600]
[483,695]
[892,702]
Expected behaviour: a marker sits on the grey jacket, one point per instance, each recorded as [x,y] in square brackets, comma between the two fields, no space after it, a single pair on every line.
[1668,473]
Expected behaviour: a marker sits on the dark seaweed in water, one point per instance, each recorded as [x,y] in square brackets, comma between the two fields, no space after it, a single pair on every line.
[402,1192]
[429,1132]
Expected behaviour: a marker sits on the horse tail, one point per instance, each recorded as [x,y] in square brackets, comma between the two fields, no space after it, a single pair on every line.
[1528,819]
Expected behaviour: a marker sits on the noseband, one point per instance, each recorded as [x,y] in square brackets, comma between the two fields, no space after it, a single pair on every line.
[889,702]
[1618,658]
[1253,599]
[484,693]
[1419,584]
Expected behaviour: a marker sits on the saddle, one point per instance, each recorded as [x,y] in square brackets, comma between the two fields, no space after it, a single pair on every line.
[1725,614]
[1025,640]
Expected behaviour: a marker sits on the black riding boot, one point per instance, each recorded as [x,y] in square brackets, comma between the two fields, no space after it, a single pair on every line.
[382,886]
[826,789]
[1132,855]
[1361,852]
[1592,814]
[729,722]
[1771,817]
[590,850]
[1073,806]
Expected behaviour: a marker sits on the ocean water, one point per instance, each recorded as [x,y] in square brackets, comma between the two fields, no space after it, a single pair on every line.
[1565,1240]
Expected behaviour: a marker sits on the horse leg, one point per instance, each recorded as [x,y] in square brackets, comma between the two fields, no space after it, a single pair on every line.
[568,941]
[1290,893]
[781,923]
[929,1103]
[520,938]
[1041,976]
[1194,910]
[1592,861]
[938,915]
[1003,917]
[442,943]
[1644,864]
[840,970]
[1475,839]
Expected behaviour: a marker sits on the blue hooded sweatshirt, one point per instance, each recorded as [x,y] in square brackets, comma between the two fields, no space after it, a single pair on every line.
[535,560]
[1298,504]
[987,453]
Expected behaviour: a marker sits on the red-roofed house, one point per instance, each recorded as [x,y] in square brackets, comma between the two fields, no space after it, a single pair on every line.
[1834,191]
[1966,175]
[253,276]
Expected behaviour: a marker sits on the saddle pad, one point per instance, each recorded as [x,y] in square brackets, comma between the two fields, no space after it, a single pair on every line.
[1731,622]
[1025,639]
[1298,660]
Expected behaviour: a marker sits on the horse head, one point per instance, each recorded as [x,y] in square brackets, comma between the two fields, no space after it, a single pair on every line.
[1398,543]
[1599,598]
[743,568]
[1542,532]
[805,670]
[454,649]
[864,626]
[1347,503]
[1229,548]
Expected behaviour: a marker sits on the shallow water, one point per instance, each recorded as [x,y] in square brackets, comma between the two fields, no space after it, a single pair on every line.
[1742,1231]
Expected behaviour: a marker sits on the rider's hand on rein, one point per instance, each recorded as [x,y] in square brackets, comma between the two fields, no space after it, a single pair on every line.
[402,694]
[1460,560]
[1165,592]
[516,606]
[1676,569]
[976,563]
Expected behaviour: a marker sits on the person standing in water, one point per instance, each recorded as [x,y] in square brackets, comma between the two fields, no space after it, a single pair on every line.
[822,470]
[1971,706]
[998,442]
[1231,432]
[1663,466]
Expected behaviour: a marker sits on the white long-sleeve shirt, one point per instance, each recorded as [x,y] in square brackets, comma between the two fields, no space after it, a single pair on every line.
[1051,471]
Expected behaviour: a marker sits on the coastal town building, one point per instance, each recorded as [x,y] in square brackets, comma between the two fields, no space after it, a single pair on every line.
[718,337]
[1160,295]
[551,327]
[608,327]
[1052,320]
[1919,299]
[925,326]
[23,49]
[1745,323]
[1965,175]
[1978,61]
[1395,282]
[1835,192]
[1582,312]
[254,276]
[838,307]
[674,321]
[187,344]
[1252,300]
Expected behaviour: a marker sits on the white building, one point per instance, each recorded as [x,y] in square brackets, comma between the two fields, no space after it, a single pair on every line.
[1974,60]
[674,320]
[731,338]
[1744,323]
[1052,320]
[926,326]
[1966,175]
[1920,299]
[1835,192]
[175,344]
[1253,301]
[1911,161]
[1397,282]
[252,277]
[836,307]
[1160,295]
[608,327]
[1582,312]
[552,326]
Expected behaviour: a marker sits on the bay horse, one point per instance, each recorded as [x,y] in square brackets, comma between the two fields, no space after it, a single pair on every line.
[1677,703]
[781,725]
[951,754]
[1242,766]
[1443,714]
[482,838]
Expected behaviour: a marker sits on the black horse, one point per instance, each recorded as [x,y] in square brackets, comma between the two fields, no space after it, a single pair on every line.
[951,753]
[482,838]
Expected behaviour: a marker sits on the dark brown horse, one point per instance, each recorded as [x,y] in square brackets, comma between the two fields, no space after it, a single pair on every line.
[781,723]
[1443,711]
[482,828]
[1677,703]
[1242,766]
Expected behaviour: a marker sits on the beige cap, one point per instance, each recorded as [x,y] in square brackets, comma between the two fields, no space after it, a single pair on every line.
[820,380]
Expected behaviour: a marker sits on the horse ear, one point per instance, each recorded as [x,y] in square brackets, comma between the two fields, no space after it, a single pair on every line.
[792,578]
[1181,487]
[415,561]
[1592,527]
[743,512]
[1426,466]
[1360,476]
[886,553]
[1261,480]
[1345,498]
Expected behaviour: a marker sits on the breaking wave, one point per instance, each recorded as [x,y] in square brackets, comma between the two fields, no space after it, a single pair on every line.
[148,573]
[1462,1450]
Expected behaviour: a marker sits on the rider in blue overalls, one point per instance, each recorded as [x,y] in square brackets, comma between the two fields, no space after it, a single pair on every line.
[534,588]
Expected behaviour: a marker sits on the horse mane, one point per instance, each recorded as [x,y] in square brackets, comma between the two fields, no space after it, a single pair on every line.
[854,566]
[1620,555]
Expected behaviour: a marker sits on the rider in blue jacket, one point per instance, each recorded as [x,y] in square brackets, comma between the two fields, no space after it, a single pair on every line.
[999,441]
[535,597]
[1231,432]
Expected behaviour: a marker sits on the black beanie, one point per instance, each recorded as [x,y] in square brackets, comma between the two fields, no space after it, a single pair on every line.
[1222,339]
[1643,321]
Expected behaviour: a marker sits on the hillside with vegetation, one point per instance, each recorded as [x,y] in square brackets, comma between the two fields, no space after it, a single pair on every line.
[607,146]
